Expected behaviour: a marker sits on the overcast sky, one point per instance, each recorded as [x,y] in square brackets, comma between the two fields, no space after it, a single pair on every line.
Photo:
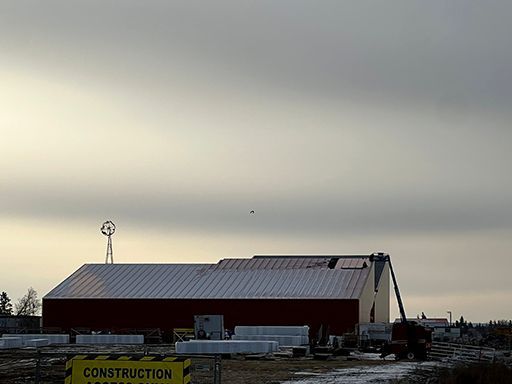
[349,127]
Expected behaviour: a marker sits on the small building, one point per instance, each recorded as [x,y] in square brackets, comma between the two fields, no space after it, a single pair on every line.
[19,324]
[315,290]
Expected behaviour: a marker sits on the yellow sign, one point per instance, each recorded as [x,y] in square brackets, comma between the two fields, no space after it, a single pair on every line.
[114,369]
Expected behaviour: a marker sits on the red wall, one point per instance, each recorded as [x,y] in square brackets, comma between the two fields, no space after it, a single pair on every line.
[101,314]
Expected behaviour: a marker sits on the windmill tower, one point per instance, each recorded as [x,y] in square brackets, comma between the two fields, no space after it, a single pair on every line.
[108,228]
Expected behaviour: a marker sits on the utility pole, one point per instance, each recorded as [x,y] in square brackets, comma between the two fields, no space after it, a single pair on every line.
[450,313]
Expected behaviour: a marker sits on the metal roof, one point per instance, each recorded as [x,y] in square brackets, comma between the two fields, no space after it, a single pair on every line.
[207,281]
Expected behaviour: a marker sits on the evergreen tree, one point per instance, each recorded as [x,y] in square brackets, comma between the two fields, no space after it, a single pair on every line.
[5,304]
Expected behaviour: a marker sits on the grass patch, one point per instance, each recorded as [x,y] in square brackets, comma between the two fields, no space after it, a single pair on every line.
[463,374]
[476,374]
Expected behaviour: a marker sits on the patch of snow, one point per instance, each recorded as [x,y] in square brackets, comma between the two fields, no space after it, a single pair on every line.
[307,373]
[361,375]
[371,356]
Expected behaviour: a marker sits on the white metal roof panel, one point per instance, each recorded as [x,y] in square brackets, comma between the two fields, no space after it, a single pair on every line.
[200,281]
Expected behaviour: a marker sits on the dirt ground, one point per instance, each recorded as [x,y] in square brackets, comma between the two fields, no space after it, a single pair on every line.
[275,372]
[19,366]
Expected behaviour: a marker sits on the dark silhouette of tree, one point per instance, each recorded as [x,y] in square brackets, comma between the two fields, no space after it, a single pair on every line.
[5,304]
[28,305]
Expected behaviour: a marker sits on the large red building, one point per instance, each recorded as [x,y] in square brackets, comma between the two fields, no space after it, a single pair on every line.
[333,291]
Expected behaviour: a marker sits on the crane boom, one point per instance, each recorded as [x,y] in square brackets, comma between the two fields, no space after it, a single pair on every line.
[397,292]
[387,259]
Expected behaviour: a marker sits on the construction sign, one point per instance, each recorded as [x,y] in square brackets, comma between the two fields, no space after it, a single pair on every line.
[118,369]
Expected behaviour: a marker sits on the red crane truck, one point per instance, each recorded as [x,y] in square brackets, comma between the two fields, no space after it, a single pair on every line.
[409,340]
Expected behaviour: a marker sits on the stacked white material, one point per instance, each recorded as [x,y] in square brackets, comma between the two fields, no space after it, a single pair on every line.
[36,343]
[207,347]
[52,338]
[110,339]
[284,335]
[246,330]
[11,342]
[282,340]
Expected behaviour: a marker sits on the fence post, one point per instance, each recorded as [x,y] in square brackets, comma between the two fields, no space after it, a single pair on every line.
[217,370]
[38,367]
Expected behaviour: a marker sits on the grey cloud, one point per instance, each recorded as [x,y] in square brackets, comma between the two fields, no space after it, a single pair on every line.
[446,54]
[319,215]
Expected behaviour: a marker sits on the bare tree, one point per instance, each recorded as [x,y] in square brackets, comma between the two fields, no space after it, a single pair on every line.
[5,304]
[28,305]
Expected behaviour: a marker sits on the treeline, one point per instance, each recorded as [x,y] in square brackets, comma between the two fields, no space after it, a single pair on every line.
[28,305]
[500,323]
[462,323]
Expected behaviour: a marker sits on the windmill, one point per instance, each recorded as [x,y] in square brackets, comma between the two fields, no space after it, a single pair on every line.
[108,228]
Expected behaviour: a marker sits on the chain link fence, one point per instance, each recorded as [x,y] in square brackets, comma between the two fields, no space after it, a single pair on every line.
[48,365]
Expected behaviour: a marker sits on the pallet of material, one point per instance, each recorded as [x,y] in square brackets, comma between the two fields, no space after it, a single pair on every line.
[110,339]
[36,343]
[11,342]
[206,347]
[283,340]
[245,330]
[52,338]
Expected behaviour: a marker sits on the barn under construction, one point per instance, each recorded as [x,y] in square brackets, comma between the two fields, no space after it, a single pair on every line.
[330,291]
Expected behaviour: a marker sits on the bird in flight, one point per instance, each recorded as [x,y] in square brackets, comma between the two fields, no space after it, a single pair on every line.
[252,212]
